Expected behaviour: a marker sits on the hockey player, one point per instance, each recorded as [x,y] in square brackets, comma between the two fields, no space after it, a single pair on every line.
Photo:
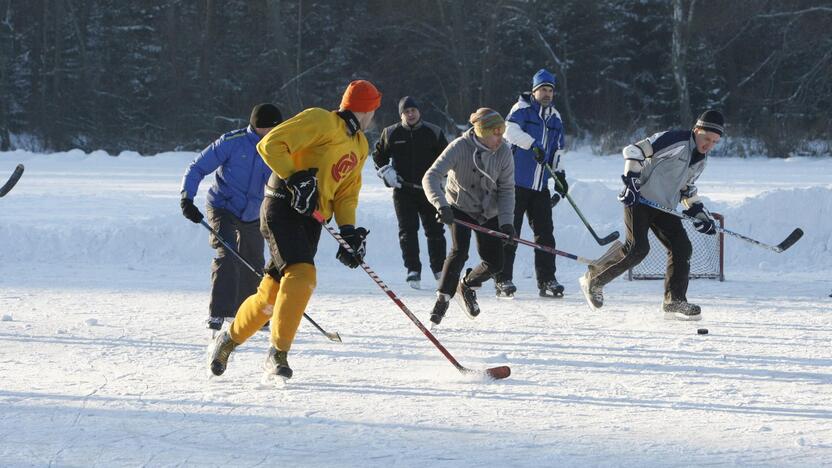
[317,157]
[233,206]
[480,190]
[662,168]
[535,131]
[402,154]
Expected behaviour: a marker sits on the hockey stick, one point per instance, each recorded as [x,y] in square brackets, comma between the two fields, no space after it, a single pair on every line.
[787,242]
[500,372]
[544,248]
[600,240]
[18,171]
[333,336]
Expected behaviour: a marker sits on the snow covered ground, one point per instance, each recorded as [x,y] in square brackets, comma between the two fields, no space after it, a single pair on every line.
[103,290]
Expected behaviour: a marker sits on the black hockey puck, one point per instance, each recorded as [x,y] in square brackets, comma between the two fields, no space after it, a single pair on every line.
[702,331]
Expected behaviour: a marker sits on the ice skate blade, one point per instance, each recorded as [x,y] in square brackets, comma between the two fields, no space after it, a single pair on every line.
[556,295]
[682,317]
[274,380]
[415,284]
[505,296]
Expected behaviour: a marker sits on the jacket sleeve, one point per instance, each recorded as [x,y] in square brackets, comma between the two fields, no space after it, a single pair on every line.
[306,129]
[381,154]
[208,161]
[514,132]
[432,181]
[505,188]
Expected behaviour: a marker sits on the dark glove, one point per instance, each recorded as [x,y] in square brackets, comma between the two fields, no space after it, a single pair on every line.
[704,222]
[190,210]
[445,215]
[629,194]
[356,239]
[561,185]
[303,188]
[554,200]
[539,154]
[508,229]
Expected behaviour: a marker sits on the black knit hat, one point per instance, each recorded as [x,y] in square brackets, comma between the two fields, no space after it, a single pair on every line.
[406,102]
[711,121]
[265,116]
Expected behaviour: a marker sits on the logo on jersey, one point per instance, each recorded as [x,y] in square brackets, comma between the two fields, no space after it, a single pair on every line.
[344,166]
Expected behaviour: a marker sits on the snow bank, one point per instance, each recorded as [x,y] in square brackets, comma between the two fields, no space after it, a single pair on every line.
[79,208]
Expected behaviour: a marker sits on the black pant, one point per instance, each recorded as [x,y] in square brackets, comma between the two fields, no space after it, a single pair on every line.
[231,281]
[489,248]
[412,205]
[536,206]
[669,231]
[292,237]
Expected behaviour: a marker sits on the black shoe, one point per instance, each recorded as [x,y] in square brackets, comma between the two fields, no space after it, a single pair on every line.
[439,308]
[681,310]
[550,288]
[277,364]
[214,323]
[505,288]
[469,298]
[414,279]
[222,348]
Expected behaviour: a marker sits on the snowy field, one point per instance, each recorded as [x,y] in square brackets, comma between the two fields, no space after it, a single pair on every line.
[104,288]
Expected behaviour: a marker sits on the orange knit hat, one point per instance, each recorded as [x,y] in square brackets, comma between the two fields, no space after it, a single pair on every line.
[361,96]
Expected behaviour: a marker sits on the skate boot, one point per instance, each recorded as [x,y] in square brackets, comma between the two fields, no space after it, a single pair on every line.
[414,279]
[439,309]
[467,298]
[221,349]
[437,275]
[681,310]
[277,364]
[550,288]
[505,288]
[593,293]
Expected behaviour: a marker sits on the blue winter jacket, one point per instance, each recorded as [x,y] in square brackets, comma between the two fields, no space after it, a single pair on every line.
[527,126]
[240,177]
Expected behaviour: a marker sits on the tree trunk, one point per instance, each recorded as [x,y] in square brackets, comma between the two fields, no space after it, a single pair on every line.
[679,52]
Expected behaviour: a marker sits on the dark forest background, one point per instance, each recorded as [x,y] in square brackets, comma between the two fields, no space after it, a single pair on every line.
[153,76]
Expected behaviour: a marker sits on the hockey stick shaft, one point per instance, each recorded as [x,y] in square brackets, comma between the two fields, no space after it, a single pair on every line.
[333,336]
[788,242]
[18,171]
[600,240]
[502,235]
[496,372]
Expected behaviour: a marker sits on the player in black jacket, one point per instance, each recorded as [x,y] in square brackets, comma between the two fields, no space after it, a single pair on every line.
[402,155]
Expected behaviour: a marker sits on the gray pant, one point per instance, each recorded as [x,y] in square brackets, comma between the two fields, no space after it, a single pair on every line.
[231,281]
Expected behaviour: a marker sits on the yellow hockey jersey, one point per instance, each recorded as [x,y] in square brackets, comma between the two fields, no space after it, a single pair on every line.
[319,138]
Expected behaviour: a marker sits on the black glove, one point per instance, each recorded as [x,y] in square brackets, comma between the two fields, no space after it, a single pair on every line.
[554,200]
[561,185]
[539,154]
[190,210]
[445,215]
[508,229]
[355,238]
[303,188]
[629,194]
[704,222]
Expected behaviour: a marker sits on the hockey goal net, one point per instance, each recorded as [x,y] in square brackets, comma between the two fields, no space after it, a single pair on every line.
[706,260]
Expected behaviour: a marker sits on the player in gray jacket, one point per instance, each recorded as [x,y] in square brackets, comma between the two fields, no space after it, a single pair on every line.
[662,168]
[480,190]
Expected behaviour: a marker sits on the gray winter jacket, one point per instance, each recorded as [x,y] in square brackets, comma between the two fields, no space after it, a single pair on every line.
[668,175]
[480,181]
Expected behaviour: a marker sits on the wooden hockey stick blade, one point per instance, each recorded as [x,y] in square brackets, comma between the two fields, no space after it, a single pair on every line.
[790,241]
[497,373]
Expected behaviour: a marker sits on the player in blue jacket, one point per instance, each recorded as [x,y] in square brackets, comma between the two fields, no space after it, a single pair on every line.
[535,131]
[233,208]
